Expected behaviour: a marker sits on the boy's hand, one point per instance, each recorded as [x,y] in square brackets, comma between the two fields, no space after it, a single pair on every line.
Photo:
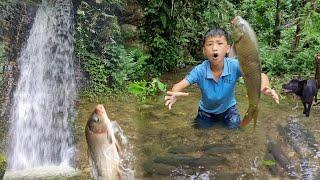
[271,92]
[172,97]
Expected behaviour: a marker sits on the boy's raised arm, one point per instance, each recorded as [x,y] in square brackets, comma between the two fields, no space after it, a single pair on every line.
[176,92]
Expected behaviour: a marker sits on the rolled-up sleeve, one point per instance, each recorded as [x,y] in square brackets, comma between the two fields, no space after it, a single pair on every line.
[193,75]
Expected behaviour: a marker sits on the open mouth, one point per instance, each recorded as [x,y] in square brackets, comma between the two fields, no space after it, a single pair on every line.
[215,55]
[287,90]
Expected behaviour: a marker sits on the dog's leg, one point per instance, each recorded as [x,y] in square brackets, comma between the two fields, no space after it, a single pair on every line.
[316,97]
[304,107]
[308,109]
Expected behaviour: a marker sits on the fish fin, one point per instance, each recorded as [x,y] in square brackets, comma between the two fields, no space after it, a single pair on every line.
[245,121]
[252,114]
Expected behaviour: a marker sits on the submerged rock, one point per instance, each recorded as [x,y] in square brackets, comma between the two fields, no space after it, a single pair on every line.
[273,168]
[209,149]
[300,138]
[275,149]
[178,160]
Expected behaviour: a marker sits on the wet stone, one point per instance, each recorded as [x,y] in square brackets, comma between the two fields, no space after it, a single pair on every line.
[274,169]
[275,149]
[300,138]
[209,149]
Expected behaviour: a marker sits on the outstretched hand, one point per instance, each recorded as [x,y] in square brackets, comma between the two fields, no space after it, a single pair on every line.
[271,92]
[171,97]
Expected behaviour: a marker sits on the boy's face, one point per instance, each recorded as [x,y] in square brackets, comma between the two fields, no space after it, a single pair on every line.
[215,48]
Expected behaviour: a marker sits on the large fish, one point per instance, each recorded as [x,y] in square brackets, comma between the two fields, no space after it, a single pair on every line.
[247,50]
[103,148]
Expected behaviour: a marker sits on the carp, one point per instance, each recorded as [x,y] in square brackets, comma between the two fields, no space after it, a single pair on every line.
[247,50]
[103,148]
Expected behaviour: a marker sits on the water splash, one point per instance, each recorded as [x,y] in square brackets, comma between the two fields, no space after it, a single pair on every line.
[127,158]
[42,106]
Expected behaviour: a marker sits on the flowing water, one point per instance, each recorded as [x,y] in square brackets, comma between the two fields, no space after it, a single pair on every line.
[42,108]
[165,143]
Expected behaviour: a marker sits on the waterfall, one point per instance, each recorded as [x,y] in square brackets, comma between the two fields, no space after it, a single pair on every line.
[42,105]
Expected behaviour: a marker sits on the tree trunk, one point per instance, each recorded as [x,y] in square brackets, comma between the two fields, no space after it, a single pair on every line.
[297,36]
[277,30]
[296,39]
[317,66]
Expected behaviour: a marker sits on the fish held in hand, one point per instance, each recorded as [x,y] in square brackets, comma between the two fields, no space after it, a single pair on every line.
[247,50]
[103,148]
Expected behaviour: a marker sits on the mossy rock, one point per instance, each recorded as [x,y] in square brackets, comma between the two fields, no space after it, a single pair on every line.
[3,165]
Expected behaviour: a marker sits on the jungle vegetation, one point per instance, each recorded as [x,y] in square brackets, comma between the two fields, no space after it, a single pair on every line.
[172,31]
[170,36]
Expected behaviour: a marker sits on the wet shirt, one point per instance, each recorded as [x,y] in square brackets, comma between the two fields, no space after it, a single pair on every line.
[217,96]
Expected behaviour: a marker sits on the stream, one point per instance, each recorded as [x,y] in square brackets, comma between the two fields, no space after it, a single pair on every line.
[166,146]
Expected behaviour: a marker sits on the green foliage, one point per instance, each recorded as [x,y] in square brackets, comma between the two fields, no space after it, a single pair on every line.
[280,60]
[114,68]
[99,48]
[260,14]
[268,162]
[174,32]
[141,67]
[143,89]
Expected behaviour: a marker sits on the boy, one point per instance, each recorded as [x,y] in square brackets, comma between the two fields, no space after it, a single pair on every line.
[216,78]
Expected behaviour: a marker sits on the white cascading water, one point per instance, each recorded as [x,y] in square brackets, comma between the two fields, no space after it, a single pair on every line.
[42,108]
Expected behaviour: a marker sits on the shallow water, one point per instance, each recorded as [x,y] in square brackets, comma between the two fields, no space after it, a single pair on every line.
[45,172]
[153,131]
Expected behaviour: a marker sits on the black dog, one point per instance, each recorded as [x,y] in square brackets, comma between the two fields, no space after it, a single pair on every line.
[305,89]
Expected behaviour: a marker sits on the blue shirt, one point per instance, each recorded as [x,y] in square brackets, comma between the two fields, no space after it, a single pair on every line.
[217,96]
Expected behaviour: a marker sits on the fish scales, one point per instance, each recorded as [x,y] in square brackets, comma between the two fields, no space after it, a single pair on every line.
[103,148]
[247,50]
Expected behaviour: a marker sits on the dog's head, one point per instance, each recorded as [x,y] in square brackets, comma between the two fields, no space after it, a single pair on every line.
[293,86]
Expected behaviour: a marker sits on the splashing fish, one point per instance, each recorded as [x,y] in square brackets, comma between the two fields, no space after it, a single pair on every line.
[103,148]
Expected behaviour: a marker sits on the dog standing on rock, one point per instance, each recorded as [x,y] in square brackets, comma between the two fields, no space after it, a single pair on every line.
[305,89]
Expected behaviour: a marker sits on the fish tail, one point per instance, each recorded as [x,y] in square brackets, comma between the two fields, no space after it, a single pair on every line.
[252,114]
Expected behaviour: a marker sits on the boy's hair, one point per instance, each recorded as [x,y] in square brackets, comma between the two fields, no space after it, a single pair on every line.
[216,32]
